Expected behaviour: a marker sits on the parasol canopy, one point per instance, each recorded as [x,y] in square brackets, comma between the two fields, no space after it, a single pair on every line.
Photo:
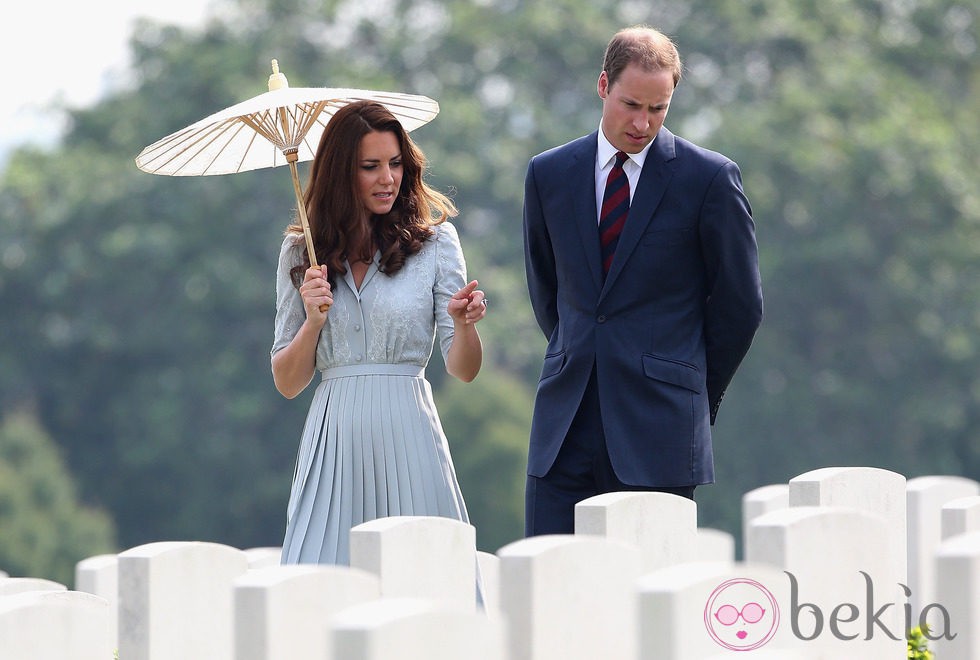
[280,127]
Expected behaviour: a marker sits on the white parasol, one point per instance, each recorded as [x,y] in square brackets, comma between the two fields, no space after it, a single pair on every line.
[280,127]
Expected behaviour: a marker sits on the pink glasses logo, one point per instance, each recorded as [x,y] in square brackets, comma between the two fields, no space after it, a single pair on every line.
[741,615]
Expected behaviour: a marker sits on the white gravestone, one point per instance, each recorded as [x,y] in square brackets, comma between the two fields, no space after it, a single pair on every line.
[415,629]
[283,611]
[99,575]
[18,585]
[715,609]
[715,545]
[762,500]
[175,600]
[263,557]
[925,499]
[569,597]
[490,574]
[662,526]
[958,592]
[842,578]
[419,557]
[54,625]
[960,516]
[873,490]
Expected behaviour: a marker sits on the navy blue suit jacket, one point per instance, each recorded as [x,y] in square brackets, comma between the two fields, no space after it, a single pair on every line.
[665,329]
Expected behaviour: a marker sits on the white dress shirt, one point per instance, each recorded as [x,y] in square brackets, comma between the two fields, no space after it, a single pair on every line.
[605,158]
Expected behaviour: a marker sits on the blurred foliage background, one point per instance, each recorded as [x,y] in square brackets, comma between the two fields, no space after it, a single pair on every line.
[136,401]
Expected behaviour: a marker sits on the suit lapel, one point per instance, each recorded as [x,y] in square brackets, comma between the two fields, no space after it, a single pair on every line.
[581,177]
[650,190]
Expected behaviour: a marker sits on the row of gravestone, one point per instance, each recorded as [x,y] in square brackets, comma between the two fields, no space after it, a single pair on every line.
[838,563]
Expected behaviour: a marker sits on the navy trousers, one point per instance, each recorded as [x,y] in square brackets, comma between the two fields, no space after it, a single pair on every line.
[581,470]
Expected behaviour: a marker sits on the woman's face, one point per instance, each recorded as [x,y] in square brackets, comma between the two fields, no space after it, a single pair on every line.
[379,171]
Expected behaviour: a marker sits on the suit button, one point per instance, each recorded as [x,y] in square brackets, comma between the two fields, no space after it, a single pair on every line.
[601,318]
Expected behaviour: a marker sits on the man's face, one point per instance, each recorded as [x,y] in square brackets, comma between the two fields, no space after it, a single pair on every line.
[635,106]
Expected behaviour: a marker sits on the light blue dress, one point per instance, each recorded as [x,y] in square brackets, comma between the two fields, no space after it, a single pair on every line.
[372,445]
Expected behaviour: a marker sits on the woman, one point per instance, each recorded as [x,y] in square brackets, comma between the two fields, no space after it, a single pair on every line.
[391,279]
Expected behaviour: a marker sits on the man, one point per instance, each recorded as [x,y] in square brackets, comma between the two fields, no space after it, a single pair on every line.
[649,295]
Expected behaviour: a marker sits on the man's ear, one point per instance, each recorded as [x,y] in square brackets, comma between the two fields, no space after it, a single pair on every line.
[603,85]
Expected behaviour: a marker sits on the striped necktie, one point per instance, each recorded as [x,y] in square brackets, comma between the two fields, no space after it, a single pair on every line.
[615,208]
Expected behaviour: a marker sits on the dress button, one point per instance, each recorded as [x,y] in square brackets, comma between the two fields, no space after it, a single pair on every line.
[601,318]
[357,328]
[359,358]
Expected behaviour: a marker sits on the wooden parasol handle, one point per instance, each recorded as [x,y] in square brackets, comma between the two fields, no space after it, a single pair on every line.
[291,157]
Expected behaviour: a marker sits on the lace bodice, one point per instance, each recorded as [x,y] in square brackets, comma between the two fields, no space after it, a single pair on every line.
[391,319]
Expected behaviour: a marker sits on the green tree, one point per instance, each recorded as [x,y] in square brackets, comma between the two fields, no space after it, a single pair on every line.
[486,422]
[44,528]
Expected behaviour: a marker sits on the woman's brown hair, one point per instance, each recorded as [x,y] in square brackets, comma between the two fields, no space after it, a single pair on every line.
[336,213]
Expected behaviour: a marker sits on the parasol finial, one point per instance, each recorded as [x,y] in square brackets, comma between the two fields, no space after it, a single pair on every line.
[277,80]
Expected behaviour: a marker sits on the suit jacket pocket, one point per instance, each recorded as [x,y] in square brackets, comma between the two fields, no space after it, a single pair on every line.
[673,372]
[552,364]
[667,236]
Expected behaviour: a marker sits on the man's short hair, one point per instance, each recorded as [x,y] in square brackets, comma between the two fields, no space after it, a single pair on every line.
[642,45]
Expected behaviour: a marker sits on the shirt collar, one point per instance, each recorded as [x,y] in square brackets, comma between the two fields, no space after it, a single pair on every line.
[606,152]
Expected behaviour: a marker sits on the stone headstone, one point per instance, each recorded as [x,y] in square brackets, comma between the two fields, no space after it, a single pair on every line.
[283,611]
[958,592]
[683,612]
[841,571]
[873,490]
[662,526]
[54,625]
[569,597]
[762,500]
[925,499]
[415,629]
[419,557]
[18,585]
[263,557]
[715,545]
[489,565]
[99,575]
[960,516]
[175,600]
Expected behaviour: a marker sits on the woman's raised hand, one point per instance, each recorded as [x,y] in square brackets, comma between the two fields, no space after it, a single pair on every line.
[468,305]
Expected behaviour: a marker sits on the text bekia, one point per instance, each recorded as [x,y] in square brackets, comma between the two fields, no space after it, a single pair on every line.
[850,613]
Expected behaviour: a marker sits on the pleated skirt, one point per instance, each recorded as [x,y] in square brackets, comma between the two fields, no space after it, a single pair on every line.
[372,446]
